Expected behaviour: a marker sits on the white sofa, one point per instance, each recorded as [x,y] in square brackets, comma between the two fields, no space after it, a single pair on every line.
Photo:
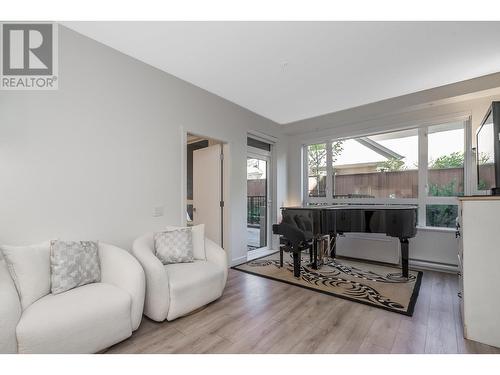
[175,290]
[86,319]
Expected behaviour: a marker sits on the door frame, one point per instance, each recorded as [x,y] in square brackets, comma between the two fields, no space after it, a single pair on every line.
[226,196]
[258,153]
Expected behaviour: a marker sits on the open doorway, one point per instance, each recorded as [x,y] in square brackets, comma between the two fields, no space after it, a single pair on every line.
[258,196]
[205,185]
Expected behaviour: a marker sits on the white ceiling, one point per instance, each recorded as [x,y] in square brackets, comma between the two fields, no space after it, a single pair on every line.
[288,71]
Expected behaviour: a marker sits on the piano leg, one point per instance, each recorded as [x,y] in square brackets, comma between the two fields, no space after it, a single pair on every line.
[333,245]
[296,264]
[315,254]
[404,256]
[281,256]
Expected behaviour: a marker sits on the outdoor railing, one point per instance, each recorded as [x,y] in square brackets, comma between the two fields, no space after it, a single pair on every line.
[254,205]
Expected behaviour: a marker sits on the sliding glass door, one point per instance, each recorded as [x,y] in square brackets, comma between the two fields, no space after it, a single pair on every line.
[258,201]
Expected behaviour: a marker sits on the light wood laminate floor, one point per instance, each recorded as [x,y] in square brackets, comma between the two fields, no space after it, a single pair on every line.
[257,315]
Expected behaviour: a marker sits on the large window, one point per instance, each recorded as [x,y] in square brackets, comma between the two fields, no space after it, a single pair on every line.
[446,158]
[316,170]
[380,166]
[423,166]
[445,174]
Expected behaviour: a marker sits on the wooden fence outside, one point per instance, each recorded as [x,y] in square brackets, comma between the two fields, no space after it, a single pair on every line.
[399,184]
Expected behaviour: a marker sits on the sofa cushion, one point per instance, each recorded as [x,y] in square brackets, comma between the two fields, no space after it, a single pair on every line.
[193,285]
[29,267]
[174,246]
[73,264]
[86,319]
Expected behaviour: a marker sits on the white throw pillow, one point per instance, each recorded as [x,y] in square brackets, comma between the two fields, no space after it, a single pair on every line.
[29,267]
[199,242]
[198,232]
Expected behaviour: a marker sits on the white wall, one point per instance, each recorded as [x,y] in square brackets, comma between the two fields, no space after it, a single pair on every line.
[433,246]
[92,159]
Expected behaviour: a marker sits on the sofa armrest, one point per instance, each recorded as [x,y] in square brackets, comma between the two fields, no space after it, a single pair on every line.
[157,287]
[217,255]
[121,269]
[10,310]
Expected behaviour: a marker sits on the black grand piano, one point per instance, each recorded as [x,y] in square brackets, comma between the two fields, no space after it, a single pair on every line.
[302,227]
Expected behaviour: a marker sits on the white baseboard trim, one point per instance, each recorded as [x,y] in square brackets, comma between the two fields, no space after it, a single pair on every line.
[254,254]
[433,266]
[413,263]
[238,261]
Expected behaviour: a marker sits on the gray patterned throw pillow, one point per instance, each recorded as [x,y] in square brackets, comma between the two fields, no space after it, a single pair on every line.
[73,264]
[174,246]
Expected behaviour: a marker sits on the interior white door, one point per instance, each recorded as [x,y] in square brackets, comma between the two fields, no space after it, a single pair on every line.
[207,183]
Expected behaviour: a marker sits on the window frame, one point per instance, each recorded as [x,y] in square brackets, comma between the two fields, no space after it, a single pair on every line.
[423,199]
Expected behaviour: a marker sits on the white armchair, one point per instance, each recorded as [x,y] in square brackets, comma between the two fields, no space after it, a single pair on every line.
[10,310]
[175,290]
[85,319]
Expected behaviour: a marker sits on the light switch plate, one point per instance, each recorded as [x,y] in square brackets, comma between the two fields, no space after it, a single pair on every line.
[158,211]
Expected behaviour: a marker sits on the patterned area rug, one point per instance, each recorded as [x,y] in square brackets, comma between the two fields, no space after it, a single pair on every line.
[368,283]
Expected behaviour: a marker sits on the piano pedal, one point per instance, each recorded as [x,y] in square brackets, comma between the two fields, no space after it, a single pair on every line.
[313,266]
[400,278]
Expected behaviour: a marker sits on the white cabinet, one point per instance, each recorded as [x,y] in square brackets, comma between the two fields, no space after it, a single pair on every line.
[478,230]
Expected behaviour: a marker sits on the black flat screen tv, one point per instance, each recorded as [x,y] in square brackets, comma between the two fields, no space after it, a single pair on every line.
[488,151]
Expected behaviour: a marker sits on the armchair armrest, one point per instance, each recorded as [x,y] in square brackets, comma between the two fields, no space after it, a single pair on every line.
[216,254]
[120,268]
[157,286]
[10,310]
